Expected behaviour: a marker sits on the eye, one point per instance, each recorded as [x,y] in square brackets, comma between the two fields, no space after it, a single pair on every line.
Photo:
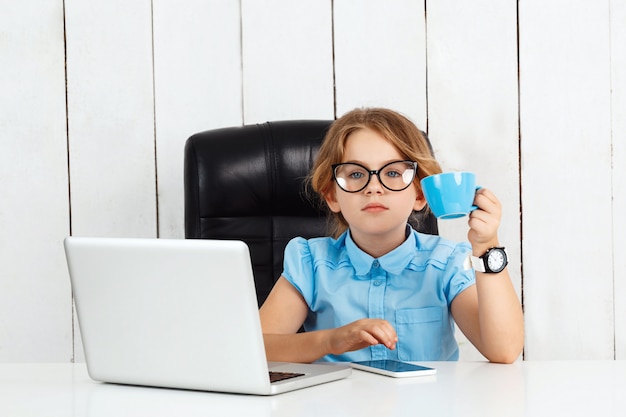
[353,172]
[356,175]
[394,171]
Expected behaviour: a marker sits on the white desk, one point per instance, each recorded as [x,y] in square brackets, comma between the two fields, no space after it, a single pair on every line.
[581,388]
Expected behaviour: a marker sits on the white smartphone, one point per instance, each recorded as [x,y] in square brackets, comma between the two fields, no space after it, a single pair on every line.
[393,368]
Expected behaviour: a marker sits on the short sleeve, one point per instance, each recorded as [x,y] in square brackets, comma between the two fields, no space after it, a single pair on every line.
[298,267]
[460,277]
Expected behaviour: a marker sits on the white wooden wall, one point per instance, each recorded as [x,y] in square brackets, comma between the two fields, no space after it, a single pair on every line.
[571,245]
[618,143]
[95,147]
[35,297]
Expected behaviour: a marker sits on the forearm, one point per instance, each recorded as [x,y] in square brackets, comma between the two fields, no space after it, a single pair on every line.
[297,347]
[499,335]
[500,317]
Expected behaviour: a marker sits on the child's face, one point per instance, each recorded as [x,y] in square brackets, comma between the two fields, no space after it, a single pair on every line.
[375,210]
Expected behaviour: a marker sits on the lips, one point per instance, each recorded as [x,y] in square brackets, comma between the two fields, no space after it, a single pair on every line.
[374,207]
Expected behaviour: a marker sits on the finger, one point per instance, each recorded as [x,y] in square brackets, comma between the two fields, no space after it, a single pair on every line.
[385,334]
[368,338]
[391,332]
[487,203]
[487,195]
[481,216]
[484,225]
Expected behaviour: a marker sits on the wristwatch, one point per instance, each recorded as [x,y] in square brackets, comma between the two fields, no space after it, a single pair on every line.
[492,262]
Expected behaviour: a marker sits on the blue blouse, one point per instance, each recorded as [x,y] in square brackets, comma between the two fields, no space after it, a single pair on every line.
[412,287]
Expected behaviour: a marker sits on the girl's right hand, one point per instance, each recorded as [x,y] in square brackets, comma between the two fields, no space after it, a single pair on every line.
[361,334]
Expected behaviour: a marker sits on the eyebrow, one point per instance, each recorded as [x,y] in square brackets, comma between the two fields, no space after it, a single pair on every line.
[368,166]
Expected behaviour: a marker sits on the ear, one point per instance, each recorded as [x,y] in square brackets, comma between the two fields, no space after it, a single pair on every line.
[420,201]
[331,199]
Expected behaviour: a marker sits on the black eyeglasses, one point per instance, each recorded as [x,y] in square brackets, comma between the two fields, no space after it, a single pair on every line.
[394,176]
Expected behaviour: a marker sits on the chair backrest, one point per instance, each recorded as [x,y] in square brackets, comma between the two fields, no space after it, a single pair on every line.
[247,183]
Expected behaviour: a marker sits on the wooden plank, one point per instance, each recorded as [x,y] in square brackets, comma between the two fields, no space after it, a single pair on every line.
[380,56]
[566,179]
[197,70]
[473,110]
[618,122]
[287,60]
[35,303]
[111,119]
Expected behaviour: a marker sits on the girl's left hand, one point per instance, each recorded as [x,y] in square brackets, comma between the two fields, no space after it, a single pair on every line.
[484,221]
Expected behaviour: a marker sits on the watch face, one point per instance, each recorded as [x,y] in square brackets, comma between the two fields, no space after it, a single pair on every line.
[496,261]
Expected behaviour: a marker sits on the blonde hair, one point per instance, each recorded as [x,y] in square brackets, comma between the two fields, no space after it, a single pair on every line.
[393,126]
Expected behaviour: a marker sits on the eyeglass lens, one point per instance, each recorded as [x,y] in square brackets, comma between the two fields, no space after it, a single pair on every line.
[395,176]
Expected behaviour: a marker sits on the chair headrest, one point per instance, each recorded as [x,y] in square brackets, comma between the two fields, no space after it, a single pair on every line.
[253,170]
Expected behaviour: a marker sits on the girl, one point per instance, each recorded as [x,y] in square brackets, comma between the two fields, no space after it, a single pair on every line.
[378,289]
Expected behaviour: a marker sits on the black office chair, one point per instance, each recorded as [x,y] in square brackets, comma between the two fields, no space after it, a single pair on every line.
[247,183]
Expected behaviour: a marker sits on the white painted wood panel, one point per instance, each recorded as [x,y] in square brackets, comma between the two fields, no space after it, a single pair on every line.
[618,122]
[35,302]
[111,119]
[566,179]
[380,56]
[287,60]
[473,110]
[573,98]
[197,71]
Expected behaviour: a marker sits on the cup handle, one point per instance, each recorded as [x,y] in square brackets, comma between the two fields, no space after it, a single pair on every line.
[478,187]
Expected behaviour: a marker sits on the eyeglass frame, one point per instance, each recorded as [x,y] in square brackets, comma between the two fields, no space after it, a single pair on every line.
[374,172]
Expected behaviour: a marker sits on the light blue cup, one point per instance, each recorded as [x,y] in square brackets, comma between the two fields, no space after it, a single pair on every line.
[450,194]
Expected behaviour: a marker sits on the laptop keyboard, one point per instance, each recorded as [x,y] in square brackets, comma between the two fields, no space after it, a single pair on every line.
[281,376]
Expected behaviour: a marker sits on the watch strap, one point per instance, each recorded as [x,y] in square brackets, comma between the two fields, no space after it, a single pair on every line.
[479,263]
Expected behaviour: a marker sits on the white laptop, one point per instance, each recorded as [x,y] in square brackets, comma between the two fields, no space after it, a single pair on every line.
[176,313]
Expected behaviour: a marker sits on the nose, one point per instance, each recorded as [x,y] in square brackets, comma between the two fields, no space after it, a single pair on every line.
[374,185]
